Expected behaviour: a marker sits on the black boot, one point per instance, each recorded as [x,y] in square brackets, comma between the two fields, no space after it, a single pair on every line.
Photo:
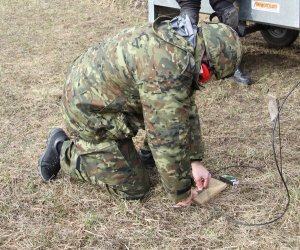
[147,158]
[49,163]
[241,78]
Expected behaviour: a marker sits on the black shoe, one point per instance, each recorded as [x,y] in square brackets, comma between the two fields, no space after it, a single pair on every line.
[147,158]
[49,163]
[241,78]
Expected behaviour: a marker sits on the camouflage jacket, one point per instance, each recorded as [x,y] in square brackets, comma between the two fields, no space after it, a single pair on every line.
[147,75]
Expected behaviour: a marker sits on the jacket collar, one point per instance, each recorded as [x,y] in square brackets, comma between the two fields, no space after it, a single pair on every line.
[162,28]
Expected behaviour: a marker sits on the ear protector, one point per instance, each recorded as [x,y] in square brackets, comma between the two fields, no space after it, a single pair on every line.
[206,74]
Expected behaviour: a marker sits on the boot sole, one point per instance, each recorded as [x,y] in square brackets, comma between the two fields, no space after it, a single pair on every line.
[48,148]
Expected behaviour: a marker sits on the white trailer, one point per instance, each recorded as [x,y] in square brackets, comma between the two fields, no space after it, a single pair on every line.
[277,20]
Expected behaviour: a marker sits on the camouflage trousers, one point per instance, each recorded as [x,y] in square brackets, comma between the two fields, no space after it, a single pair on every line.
[114,164]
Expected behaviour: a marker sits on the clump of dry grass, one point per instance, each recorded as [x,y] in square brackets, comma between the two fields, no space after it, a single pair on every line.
[38,40]
[125,4]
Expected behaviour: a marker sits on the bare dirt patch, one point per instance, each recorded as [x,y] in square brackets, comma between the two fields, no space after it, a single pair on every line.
[38,40]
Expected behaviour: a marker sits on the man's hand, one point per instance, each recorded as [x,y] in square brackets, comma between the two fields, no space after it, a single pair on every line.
[187,202]
[201,177]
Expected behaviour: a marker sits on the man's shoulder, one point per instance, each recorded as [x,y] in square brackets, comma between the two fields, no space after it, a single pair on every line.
[133,33]
[163,29]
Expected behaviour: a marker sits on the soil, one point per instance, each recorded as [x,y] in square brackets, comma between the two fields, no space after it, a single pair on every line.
[39,38]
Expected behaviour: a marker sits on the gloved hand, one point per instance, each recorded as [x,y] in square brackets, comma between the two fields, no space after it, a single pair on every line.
[228,15]
[191,9]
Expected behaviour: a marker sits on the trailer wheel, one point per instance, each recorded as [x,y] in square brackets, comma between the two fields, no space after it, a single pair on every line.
[278,37]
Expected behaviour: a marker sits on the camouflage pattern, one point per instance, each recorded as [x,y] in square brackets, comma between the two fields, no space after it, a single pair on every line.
[111,164]
[223,48]
[141,78]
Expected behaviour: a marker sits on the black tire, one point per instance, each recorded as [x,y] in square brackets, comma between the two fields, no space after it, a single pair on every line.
[278,37]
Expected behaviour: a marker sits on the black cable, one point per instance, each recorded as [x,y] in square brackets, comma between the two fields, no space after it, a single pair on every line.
[278,167]
[237,166]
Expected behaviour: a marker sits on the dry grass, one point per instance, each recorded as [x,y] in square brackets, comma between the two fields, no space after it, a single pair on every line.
[38,40]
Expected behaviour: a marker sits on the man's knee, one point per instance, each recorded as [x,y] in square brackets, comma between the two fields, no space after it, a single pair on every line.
[132,192]
[114,164]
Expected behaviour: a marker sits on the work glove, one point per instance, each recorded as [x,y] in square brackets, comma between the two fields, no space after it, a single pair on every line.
[190,8]
[228,15]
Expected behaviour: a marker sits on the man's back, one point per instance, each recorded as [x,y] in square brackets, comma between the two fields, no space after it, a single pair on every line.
[108,74]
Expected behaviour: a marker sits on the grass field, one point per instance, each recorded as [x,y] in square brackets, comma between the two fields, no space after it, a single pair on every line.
[38,39]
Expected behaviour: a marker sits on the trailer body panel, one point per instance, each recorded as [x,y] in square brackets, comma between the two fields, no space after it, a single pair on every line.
[281,13]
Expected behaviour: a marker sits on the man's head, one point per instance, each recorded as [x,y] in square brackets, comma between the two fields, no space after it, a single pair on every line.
[223,48]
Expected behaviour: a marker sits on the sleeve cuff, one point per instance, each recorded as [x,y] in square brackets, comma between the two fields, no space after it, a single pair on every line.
[180,195]
[196,159]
